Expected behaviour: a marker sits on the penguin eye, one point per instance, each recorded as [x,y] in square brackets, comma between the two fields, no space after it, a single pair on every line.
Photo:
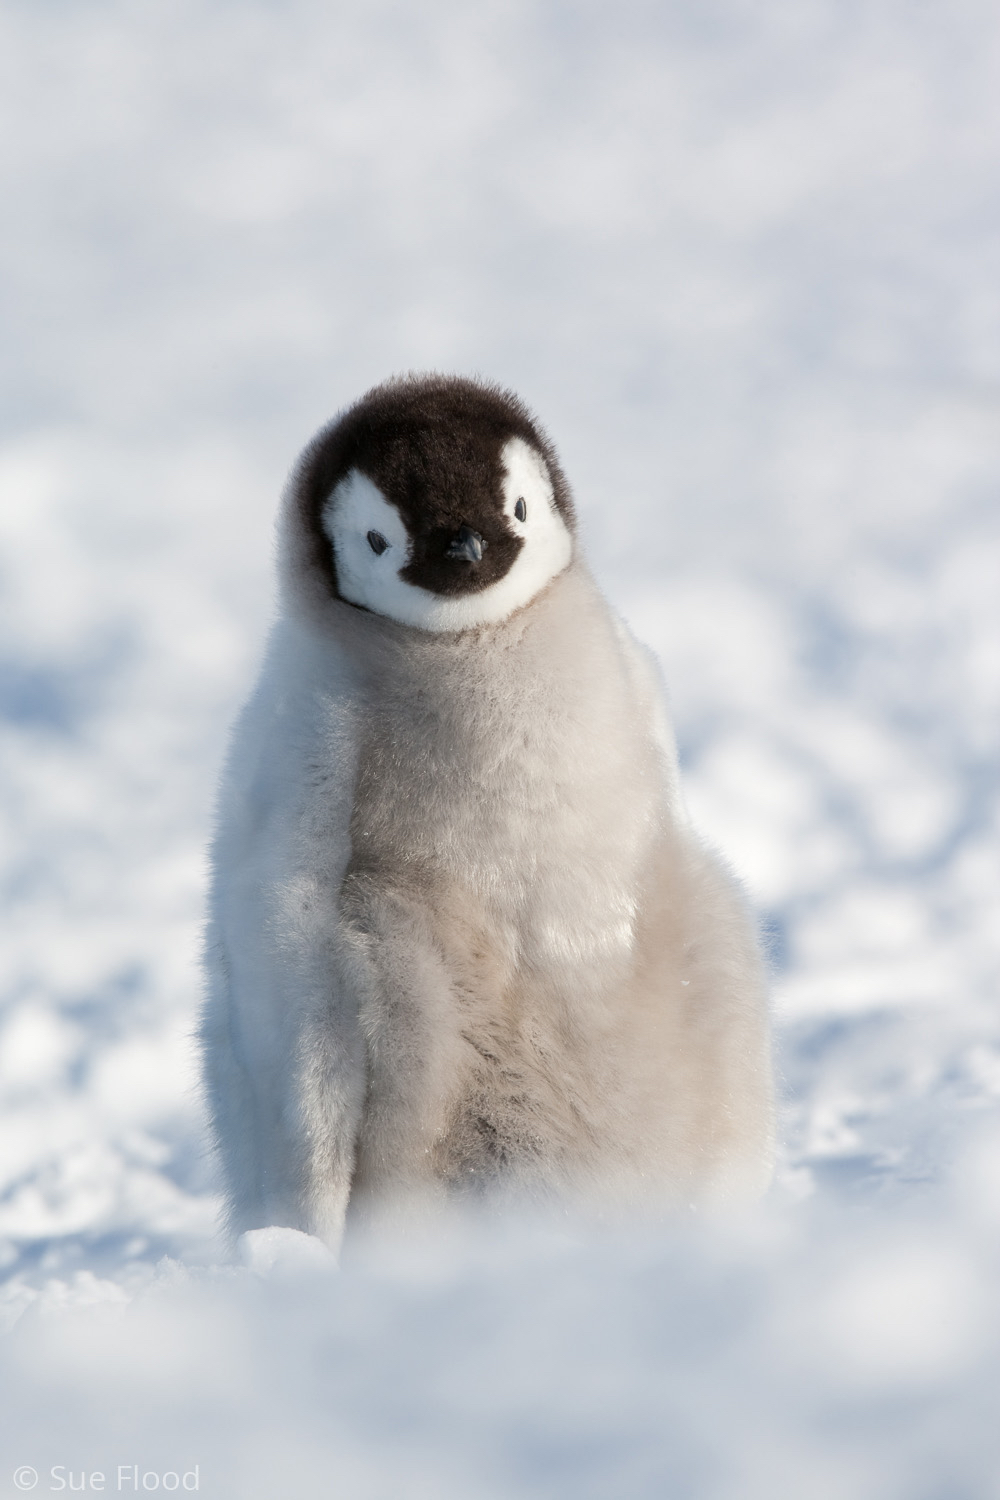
[377,542]
[521,510]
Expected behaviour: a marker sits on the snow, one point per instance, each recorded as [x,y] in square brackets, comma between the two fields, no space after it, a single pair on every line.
[742,261]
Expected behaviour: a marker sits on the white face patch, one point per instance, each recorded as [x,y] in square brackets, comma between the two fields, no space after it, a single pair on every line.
[357,507]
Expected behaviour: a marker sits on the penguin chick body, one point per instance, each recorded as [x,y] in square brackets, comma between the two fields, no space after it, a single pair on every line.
[462,938]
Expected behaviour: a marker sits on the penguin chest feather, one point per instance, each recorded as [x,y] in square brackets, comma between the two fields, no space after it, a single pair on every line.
[510,805]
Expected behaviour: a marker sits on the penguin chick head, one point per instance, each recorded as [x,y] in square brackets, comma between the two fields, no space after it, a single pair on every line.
[434,501]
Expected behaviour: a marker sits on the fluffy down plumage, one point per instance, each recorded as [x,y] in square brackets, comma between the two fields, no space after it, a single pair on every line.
[463,939]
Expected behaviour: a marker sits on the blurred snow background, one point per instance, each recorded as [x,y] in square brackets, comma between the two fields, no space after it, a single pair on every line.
[742,259]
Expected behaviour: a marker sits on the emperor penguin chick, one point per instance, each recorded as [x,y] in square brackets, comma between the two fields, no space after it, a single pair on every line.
[462,937]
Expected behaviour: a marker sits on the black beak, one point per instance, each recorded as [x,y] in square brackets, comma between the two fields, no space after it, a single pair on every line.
[468,544]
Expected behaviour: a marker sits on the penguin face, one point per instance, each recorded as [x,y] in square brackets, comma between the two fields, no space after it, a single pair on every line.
[437,503]
[473,567]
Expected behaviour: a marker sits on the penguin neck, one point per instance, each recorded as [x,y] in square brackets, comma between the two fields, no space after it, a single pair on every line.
[399,659]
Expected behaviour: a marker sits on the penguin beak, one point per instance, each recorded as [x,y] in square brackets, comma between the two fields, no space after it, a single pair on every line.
[467,544]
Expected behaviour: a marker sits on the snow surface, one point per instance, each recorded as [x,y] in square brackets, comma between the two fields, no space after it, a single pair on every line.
[741,257]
